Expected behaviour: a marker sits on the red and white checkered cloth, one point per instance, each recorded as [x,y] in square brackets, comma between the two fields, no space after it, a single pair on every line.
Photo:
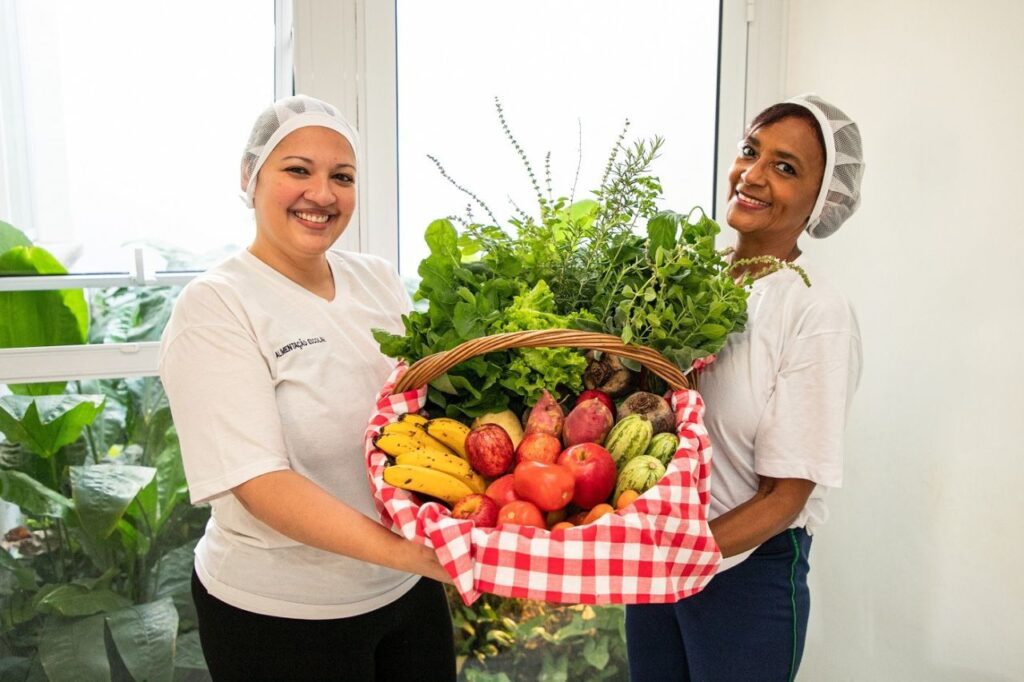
[660,549]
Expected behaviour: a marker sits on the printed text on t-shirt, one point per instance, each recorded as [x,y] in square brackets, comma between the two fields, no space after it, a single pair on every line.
[301,343]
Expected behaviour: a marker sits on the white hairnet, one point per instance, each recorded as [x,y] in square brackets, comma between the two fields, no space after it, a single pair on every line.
[280,118]
[839,196]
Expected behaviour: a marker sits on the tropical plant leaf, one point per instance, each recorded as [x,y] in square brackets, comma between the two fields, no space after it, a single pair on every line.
[72,599]
[172,574]
[32,497]
[45,424]
[11,236]
[145,636]
[188,652]
[15,573]
[75,650]
[30,319]
[103,492]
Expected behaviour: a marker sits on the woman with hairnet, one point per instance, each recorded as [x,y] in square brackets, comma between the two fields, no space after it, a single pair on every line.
[271,372]
[777,399]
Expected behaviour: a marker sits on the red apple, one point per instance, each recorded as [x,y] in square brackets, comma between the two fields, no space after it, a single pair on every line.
[489,450]
[538,447]
[593,469]
[478,508]
[502,490]
[600,395]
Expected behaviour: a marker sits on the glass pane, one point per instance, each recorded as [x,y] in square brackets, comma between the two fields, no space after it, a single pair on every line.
[568,75]
[135,117]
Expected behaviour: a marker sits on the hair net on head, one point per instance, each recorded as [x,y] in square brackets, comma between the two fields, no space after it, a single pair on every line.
[839,196]
[284,116]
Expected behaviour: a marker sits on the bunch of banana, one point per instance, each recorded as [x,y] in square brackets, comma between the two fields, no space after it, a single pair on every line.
[432,482]
[450,432]
[405,436]
[432,458]
[413,418]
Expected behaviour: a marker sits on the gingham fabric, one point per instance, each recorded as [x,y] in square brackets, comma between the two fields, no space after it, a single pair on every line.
[658,550]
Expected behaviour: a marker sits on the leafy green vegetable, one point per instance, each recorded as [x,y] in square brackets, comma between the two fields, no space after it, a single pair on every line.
[579,264]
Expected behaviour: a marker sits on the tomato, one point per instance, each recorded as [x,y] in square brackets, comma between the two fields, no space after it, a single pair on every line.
[549,486]
[522,512]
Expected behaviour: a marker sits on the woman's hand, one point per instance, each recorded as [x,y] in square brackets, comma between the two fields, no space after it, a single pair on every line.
[777,502]
[296,507]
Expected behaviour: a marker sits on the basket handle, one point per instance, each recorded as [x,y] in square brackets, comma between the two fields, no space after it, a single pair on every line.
[426,369]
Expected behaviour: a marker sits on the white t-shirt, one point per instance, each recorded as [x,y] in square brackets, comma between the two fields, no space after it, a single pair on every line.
[263,375]
[778,393]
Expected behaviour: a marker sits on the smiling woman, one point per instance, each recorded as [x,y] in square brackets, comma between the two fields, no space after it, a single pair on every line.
[270,369]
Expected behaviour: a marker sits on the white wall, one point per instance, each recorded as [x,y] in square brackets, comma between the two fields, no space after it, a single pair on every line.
[918,575]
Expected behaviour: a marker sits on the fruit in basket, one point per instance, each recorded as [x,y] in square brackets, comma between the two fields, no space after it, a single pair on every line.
[588,422]
[449,431]
[639,474]
[538,447]
[446,462]
[506,419]
[561,525]
[597,512]
[606,373]
[404,436]
[478,508]
[489,450]
[502,490]
[414,418]
[549,486]
[546,417]
[593,471]
[663,447]
[626,498]
[600,395]
[651,407]
[432,482]
[521,512]
[629,438]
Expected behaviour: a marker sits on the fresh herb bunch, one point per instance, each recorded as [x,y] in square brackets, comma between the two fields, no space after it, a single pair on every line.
[578,264]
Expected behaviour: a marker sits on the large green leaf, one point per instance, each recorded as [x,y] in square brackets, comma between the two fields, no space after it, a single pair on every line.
[72,599]
[45,424]
[31,496]
[74,650]
[188,653]
[145,636]
[39,318]
[15,573]
[102,493]
[11,236]
[172,574]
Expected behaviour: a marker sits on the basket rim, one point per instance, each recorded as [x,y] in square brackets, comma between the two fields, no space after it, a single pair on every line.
[430,367]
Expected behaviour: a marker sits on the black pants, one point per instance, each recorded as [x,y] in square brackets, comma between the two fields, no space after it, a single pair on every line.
[409,639]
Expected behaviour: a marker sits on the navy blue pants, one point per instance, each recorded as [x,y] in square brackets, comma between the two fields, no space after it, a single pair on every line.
[408,639]
[747,625]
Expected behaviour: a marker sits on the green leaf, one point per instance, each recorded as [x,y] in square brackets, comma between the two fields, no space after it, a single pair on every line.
[188,652]
[45,424]
[32,497]
[15,574]
[144,636]
[595,652]
[103,492]
[172,574]
[661,232]
[71,599]
[30,319]
[442,239]
[11,236]
[713,331]
[627,334]
[74,650]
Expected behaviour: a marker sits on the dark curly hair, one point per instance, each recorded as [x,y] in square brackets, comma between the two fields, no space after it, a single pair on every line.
[777,112]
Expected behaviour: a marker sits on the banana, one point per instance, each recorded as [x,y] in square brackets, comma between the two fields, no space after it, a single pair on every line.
[450,432]
[398,437]
[426,481]
[413,418]
[448,463]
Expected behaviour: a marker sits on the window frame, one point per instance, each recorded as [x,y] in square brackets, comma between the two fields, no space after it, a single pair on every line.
[327,52]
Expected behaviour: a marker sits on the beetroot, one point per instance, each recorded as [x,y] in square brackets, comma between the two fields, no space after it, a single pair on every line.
[651,407]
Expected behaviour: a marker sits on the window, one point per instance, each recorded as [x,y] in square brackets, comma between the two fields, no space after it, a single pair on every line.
[568,75]
[125,123]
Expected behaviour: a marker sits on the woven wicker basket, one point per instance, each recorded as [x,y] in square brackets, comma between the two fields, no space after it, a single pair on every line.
[431,367]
